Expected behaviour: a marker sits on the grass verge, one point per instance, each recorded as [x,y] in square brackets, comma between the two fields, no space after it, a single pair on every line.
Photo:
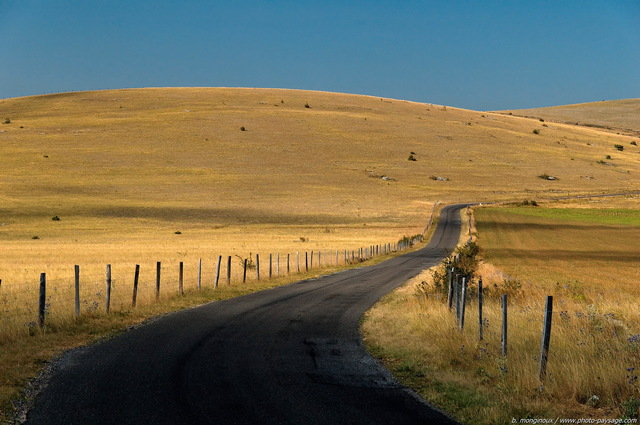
[587,261]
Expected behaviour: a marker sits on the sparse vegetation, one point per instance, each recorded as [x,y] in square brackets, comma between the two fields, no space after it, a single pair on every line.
[536,131]
[619,147]
[546,176]
[55,218]
[243,128]
[412,158]
[306,105]
[7,121]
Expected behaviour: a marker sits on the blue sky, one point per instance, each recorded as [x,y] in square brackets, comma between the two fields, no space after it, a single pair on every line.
[483,55]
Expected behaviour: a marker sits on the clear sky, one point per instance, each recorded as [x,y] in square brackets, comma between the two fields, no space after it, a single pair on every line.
[483,55]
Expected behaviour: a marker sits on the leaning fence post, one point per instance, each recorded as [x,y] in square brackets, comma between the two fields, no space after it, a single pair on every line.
[43,299]
[546,336]
[108,297]
[77,288]
[503,339]
[480,309]
[135,286]
[215,284]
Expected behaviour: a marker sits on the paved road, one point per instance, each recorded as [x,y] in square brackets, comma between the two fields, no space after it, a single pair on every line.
[290,355]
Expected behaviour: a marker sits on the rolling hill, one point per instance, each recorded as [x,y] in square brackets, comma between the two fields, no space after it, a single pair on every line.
[615,115]
[163,172]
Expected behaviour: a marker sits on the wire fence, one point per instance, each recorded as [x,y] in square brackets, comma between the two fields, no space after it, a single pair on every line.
[26,307]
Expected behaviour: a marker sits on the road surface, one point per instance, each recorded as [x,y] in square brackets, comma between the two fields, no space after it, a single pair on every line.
[290,355]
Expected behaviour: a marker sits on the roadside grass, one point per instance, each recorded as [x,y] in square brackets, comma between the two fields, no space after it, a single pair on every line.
[589,267]
[27,350]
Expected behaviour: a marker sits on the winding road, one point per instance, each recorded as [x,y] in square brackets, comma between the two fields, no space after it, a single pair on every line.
[290,355]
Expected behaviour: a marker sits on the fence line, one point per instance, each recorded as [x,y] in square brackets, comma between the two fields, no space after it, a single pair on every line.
[456,301]
[23,306]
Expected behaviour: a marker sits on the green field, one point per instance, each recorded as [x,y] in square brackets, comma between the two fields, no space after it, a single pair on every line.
[586,258]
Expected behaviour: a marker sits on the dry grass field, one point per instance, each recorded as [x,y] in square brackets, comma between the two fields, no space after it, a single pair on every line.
[616,115]
[143,175]
[585,254]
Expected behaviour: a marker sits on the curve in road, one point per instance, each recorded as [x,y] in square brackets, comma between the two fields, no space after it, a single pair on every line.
[290,355]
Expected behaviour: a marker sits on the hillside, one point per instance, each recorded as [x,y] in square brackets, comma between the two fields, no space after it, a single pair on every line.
[127,169]
[617,115]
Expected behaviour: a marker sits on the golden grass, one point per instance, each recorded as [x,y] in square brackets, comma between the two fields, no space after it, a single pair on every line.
[621,115]
[124,170]
[589,268]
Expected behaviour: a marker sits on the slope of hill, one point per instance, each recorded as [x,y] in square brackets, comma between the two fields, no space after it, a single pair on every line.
[617,115]
[245,169]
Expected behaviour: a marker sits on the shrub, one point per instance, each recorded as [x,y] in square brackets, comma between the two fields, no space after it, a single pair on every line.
[546,176]
[178,232]
[303,239]
[242,128]
[465,260]
[306,105]
[634,143]
[412,158]
[536,131]
[35,237]
[619,147]
[55,218]
[7,121]
[607,157]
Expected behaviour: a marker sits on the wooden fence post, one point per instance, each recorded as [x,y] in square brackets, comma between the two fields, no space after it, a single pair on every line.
[158,269]
[181,278]
[450,288]
[306,260]
[77,290]
[288,264]
[199,274]
[463,302]
[42,301]
[456,293]
[244,272]
[546,336]
[215,284]
[298,261]
[135,286]
[258,266]
[503,339]
[229,270]
[108,289]
[270,266]
[480,309]
[278,265]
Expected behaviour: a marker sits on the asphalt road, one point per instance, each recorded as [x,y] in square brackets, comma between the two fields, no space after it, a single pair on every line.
[290,355]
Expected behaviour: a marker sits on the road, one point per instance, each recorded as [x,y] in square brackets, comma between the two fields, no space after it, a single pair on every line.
[290,355]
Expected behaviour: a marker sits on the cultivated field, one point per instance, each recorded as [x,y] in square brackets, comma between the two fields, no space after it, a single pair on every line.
[127,177]
[586,257]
